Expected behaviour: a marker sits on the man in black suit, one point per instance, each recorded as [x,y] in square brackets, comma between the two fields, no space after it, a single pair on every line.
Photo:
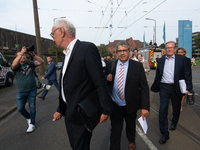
[170,69]
[81,74]
[129,91]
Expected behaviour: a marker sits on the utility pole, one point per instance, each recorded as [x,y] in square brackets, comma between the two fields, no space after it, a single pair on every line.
[2,42]
[38,39]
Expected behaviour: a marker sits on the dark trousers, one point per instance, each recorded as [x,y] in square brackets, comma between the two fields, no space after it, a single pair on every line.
[166,93]
[118,114]
[79,137]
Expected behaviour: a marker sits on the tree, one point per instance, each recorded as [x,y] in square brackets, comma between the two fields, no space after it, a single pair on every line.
[197,41]
[193,50]
[103,51]
[52,50]
[162,46]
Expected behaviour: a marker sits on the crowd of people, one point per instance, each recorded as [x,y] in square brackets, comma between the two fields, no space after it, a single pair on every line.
[126,90]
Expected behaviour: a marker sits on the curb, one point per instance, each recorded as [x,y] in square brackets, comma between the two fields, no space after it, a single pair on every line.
[12,109]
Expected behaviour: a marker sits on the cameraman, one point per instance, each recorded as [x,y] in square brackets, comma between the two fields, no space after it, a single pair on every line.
[26,85]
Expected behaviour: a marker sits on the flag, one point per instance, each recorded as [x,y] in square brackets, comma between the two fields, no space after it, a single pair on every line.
[153,34]
[164,33]
[144,39]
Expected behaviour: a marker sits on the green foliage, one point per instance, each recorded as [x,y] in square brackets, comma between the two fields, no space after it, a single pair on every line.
[162,46]
[197,41]
[197,61]
[103,51]
[193,50]
[52,50]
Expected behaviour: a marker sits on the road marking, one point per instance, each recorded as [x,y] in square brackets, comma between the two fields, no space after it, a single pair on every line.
[145,139]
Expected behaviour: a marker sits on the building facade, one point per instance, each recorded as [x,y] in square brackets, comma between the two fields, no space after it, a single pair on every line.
[12,41]
[185,36]
[134,44]
[197,50]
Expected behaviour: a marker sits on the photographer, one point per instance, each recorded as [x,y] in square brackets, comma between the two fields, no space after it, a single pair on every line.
[26,85]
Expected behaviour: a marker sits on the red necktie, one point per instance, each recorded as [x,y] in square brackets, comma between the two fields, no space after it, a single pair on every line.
[120,82]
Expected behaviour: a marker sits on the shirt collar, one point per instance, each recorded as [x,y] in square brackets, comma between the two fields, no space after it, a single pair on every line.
[119,62]
[70,47]
[170,57]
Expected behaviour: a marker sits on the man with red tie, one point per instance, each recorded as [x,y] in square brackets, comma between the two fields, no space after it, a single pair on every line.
[129,90]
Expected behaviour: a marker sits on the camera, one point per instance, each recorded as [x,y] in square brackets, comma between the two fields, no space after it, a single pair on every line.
[40,85]
[30,48]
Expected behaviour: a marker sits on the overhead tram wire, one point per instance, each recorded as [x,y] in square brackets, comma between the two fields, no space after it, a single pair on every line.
[109,19]
[101,20]
[140,18]
[125,17]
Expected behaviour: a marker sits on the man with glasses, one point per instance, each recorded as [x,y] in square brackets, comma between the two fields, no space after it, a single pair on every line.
[26,85]
[129,90]
[81,75]
[171,68]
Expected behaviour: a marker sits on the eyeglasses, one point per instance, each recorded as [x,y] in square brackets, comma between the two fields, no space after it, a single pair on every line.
[119,51]
[169,47]
[51,34]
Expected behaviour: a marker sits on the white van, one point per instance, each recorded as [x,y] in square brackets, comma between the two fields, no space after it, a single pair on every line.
[6,74]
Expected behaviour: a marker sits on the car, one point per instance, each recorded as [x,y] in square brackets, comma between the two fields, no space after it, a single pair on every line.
[6,74]
[59,66]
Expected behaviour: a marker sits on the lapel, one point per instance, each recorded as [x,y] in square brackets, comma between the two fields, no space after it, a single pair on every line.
[113,67]
[130,65]
[162,64]
[48,66]
[72,55]
[176,66]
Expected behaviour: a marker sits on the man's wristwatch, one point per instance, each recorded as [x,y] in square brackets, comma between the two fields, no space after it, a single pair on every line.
[21,54]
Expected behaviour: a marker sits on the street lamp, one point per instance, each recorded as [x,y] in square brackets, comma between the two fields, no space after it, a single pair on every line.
[57,18]
[155,25]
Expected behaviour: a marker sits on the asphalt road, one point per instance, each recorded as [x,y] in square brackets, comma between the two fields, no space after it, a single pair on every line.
[50,135]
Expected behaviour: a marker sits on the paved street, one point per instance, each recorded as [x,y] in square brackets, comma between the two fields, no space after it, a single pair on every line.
[50,135]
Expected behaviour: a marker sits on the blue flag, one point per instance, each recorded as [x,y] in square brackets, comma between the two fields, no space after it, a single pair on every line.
[144,40]
[164,34]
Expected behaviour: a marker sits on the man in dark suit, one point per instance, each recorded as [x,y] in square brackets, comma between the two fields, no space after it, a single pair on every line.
[129,91]
[51,76]
[81,75]
[170,69]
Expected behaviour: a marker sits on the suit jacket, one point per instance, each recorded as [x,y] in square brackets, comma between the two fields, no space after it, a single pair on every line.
[83,76]
[51,72]
[136,88]
[182,70]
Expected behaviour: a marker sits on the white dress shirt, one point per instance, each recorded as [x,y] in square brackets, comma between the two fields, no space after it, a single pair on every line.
[115,95]
[168,71]
[67,53]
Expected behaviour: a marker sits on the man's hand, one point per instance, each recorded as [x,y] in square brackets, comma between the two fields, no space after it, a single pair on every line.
[103,118]
[186,92]
[144,113]
[23,50]
[109,77]
[56,116]
[42,78]
[31,52]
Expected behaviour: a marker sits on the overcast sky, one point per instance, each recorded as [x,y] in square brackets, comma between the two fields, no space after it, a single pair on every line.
[90,17]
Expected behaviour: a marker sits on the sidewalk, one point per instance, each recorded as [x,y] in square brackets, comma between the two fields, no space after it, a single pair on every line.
[8,98]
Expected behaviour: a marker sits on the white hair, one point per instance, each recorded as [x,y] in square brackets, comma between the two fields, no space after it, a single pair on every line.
[67,26]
